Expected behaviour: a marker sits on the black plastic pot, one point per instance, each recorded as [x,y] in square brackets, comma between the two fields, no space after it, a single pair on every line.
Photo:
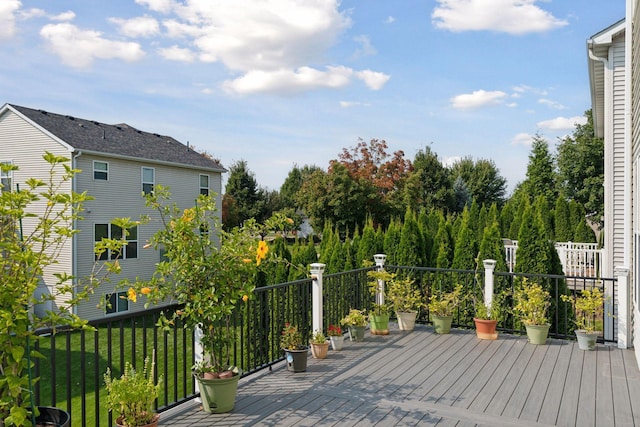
[52,417]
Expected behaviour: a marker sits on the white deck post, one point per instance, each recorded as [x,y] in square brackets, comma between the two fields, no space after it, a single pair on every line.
[489,267]
[380,259]
[623,318]
[316,295]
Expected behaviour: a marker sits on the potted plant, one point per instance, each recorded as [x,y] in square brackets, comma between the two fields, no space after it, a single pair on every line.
[37,224]
[589,308]
[319,345]
[441,307]
[356,321]
[335,337]
[486,318]
[133,395]
[531,303]
[295,352]
[379,315]
[405,299]
[210,272]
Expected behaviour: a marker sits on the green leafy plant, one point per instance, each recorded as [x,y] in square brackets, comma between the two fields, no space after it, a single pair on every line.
[354,318]
[208,270]
[403,296]
[36,225]
[377,291]
[291,338]
[318,338]
[589,308]
[133,394]
[532,302]
[444,303]
[495,312]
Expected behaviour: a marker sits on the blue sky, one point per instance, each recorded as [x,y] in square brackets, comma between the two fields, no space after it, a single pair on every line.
[283,82]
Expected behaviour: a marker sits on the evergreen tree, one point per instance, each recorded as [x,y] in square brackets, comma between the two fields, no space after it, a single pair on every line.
[392,241]
[410,242]
[584,233]
[491,247]
[576,215]
[541,177]
[562,221]
[465,250]
[533,255]
[367,248]
[443,249]
[543,214]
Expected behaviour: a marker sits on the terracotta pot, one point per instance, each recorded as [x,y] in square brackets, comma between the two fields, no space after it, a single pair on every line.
[153,423]
[320,351]
[486,329]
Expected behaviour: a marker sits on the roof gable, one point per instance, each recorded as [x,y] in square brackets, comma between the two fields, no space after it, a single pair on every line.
[119,140]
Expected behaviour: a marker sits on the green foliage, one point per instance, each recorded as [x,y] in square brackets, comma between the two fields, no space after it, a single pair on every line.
[465,252]
[429,184]
[36,225]
[562,221]
[482,180]
[444,303]
[541,176]
[354,318]
[492,247]
[532,302]
[291,338]
[581,169]
[318,338]
[133,394]
[411,246]
[243,189]
[589,307]
[367,248]
[392,241]
[403,295]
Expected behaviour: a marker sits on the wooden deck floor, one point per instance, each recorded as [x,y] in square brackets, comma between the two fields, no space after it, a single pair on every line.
[420,378]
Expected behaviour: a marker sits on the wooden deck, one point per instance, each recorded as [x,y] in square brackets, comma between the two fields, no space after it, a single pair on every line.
[420,378]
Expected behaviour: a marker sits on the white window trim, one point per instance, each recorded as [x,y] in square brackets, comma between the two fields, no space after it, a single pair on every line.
[124,249]
[143,182]
[208,187]
[118,301]
[104,171]
[8,175]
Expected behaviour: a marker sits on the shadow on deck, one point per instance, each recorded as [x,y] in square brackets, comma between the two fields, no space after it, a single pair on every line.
[421,378]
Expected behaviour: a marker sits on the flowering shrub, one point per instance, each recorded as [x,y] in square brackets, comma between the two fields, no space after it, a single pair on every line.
[531,303]
[334,331]
[444,303]
[355,318]
[208,270]
[589,308]
[290,339]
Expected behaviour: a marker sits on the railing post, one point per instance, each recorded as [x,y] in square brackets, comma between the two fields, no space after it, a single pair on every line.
[316,295]
[379,260]
[489,267]
[198,353]
[623,318]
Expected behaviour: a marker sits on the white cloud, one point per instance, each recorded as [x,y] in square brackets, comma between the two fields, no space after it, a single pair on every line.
[522,139]
[562,123]
[177,53]
[509,16]
[65,16]
[142,26]
[373,79]
[8,9]
[79,48]
[390,20]
[551,104]
[366,49]
[289,81]
[450,161]
[32,13]
[477,99]
[163,6]
[349,104]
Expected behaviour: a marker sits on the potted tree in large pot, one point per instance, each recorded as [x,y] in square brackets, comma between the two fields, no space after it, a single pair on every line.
[36,225]
[210,272]
[531,303]
[589,308]
[379,314]
[405,299]
[486,317]
[442,306]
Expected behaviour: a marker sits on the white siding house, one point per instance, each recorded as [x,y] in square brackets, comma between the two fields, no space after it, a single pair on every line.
[118,163]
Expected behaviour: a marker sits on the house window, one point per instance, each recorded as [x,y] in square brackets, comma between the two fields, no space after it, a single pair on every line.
[116,302]
[204,184]
[100,171]
[6,177]
[112,231]
[148,180]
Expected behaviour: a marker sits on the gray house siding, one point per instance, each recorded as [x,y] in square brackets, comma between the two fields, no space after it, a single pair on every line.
[24,145]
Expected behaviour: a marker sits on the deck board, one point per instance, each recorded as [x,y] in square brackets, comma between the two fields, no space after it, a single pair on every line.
[420,378]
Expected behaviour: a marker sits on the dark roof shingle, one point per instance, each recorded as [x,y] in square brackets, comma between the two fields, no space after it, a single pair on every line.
[120,139]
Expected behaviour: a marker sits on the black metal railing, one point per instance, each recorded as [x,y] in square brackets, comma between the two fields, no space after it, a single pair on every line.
[72,369]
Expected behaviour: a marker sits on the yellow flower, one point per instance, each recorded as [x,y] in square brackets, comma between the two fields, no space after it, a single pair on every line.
[262,251]
[245,298]
[289,220]
[246,260]
[145,291]
[131,294]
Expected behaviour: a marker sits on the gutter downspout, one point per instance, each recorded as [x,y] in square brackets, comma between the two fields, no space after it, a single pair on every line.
[609,270]
[74,237]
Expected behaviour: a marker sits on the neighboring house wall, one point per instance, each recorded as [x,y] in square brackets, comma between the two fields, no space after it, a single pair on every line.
[121,195]
[633,26]
[24,145]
